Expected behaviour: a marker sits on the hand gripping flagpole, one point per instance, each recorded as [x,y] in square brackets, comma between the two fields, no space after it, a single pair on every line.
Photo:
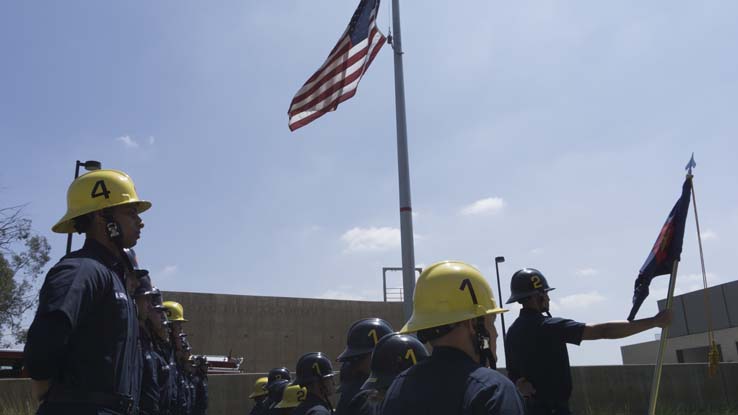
[403,167]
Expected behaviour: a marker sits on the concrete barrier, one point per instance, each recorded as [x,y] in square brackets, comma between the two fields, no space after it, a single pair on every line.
[611,390]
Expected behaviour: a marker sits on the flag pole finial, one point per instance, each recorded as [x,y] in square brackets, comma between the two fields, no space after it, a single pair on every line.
[690,165]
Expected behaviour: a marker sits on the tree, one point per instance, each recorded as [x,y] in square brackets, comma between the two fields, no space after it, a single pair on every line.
[23,255]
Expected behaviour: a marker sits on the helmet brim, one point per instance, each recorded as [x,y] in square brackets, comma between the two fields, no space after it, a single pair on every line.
[307,381]
[66,223]
[442,318]
[520,296]
[350,354]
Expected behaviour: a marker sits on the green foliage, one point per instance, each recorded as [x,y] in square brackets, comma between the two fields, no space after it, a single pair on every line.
[23,255]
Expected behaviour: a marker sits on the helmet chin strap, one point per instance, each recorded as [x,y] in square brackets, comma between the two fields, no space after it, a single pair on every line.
[482,343]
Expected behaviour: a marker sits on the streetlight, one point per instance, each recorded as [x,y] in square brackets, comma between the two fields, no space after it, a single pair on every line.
[89,165]
[499,294]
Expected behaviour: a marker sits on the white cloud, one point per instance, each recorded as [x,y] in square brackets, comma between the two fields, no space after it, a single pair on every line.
[536,251]
[582,300]
[371,239]
[151,140]
[488,206]
[168,271]
[128,141]
[587,272]
[708,235]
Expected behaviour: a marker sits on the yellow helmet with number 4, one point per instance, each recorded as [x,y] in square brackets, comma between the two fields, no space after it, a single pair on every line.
[449,292]
[97,190]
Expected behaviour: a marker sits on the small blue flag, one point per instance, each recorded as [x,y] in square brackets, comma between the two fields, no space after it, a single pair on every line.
[666,250]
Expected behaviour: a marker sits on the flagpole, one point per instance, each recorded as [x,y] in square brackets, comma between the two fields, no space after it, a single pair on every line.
[662,344]
[403,167]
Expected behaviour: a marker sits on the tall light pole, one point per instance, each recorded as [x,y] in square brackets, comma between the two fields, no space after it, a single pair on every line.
[89,165]
[499,295]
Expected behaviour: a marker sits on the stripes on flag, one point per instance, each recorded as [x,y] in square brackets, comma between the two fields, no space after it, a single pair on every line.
[338,78]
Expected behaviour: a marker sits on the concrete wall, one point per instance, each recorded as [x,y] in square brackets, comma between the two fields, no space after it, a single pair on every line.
[612,390]
[274,331]
[645,353]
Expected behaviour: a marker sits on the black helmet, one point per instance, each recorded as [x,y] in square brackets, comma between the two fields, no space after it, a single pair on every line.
[276,390]
[131,254]
[145,287]
[362,336]
[526,282]
[276,375]
[311,367]
[394,353]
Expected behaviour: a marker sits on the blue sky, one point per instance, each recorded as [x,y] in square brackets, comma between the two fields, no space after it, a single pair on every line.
[551,133]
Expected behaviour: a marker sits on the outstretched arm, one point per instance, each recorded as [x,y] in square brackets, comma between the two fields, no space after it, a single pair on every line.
[620,329]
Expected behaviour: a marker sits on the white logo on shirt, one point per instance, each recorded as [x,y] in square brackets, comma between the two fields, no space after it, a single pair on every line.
[121,296]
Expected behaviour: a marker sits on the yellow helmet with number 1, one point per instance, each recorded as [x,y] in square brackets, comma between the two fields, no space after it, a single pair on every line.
[449,292]
[174,311]
[97,190]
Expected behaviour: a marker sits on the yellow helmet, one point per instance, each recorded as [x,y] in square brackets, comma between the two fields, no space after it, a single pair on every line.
[259,388]
[293,395]
[174,310]
[97,190]
[449,292]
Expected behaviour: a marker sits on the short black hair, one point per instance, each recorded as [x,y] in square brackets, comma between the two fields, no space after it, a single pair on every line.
[82,223]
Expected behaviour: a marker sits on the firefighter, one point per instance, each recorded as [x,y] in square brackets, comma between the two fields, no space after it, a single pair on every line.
[259,394]
[150,319]
[185,388]
[175,316]
[293,395]
[276,393]
[361,338]
[81,350]
[393,354]
[199,380]
[164,346]
[454,310]
[315,374]
[277,378]
[538,361]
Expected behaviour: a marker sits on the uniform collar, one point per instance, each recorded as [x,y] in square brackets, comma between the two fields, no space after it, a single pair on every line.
[102,254]
[527,312]
[450,353]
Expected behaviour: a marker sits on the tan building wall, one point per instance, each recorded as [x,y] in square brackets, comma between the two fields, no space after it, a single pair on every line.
[645,353]
[598,390]
[274,331]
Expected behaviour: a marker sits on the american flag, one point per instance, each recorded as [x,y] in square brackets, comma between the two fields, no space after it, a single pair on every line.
[337,79]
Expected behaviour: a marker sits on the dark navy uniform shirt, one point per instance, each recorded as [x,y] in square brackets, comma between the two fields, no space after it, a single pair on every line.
[449,383]
[152,377]
[366,402]
[312,405]
[536,350]
[348,390]
[259,407]
[84,336]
